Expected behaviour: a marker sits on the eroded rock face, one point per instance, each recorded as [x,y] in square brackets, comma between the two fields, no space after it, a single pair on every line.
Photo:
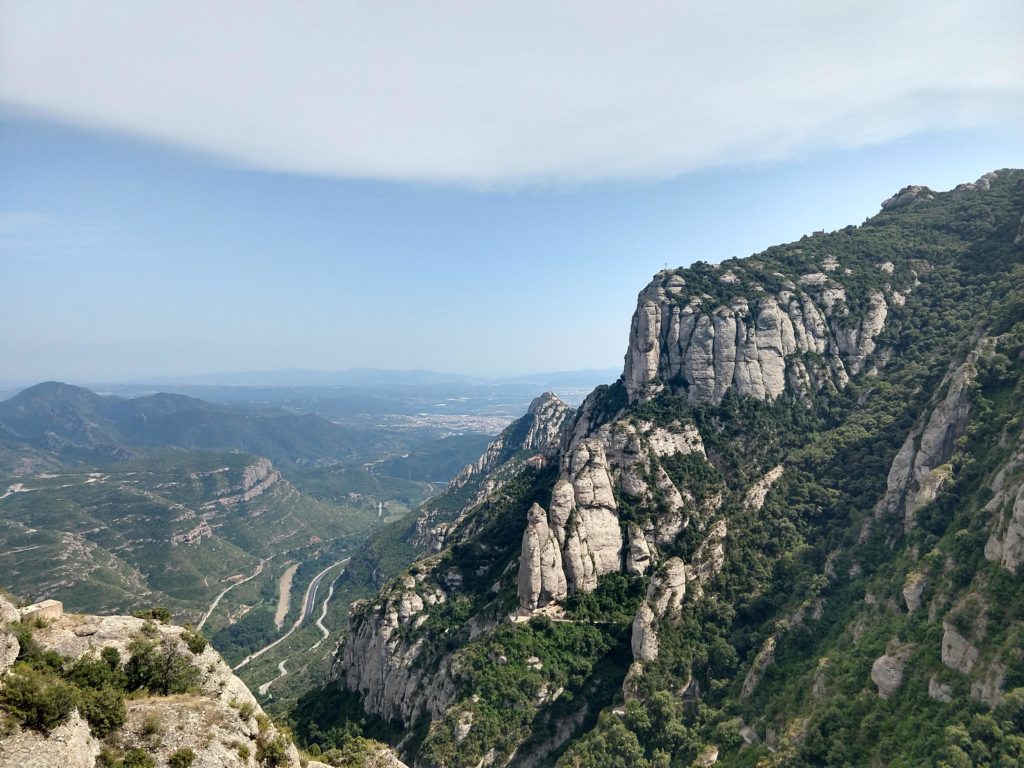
[70,745]
[939,691]
[764,659]
[539,431]
[917,474]
[957,652]
[541,578]
[913,588]
[708,559]
[584,517]
[664,600]
[1006,543]
[257,479]
[645,634]
[683,342]
[758,492]
[989,688]
[887,671]
[386,667]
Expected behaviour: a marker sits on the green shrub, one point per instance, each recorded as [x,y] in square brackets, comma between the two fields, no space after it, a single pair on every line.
[194,640]
[151,726]
[181,758]
[160,669]
[92,672]
[159,613]
[138,758]
[271,752]
[38,699]
[103,708]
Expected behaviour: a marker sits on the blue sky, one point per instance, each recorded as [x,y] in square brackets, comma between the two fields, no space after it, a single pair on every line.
[137,242]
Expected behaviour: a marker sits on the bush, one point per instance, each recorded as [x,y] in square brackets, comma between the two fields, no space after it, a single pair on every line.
[182,758]
[194,640]
[161,669]
[151,726]
[103,708]
[103,672]
[38,699]
[271,752]
[138,758]
[159,613]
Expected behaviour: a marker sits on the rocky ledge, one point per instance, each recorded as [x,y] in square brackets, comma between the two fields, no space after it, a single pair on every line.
[218,719]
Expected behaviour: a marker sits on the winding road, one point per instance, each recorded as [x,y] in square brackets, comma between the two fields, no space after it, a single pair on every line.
[217,599]
[323,613]
[308,603]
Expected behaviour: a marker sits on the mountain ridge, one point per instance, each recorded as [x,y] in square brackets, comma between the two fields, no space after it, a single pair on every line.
[701,573]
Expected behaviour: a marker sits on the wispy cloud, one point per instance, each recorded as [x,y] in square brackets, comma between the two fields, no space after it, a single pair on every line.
[511,92]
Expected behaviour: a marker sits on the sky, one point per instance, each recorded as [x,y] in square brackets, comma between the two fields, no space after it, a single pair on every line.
[483,188]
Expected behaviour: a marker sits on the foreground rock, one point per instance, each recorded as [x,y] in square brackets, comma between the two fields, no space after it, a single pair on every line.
[220,720]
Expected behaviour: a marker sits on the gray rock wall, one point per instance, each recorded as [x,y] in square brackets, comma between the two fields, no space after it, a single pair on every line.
[753,345]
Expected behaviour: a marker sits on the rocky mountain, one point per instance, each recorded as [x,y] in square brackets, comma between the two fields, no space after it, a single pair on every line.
[528,444]
[790,534]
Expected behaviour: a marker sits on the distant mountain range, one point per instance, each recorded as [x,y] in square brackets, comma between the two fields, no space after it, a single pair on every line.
[66,423]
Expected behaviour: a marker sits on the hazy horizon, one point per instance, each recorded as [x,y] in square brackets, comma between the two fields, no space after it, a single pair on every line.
[294,194]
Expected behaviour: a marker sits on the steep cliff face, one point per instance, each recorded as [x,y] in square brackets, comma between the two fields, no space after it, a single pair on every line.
[917,475]
[1005,545]
[621,460]
[798,331]
[800,509]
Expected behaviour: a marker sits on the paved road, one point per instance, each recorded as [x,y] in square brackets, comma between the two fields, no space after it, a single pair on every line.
[307,609]
[216,600]
[323,613]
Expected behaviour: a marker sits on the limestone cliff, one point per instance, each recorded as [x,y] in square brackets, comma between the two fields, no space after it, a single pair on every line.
[536,433]
[621,460]
[916,476]
[761,334]
[1006,543]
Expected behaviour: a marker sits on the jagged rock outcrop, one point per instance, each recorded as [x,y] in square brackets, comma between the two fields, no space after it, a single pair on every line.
[917,474]
[913,588]
[209,722]
[1005,545]
[387,668]
[939,690]
[584,517]
[622,456]
[681,340]
[69,745]
[957,651]
[664,599]
[758,492]
[906,196]
[887,670]
[257,479]
[541,578]
[539,431]
[708,558]
[764,659]
[989,687]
